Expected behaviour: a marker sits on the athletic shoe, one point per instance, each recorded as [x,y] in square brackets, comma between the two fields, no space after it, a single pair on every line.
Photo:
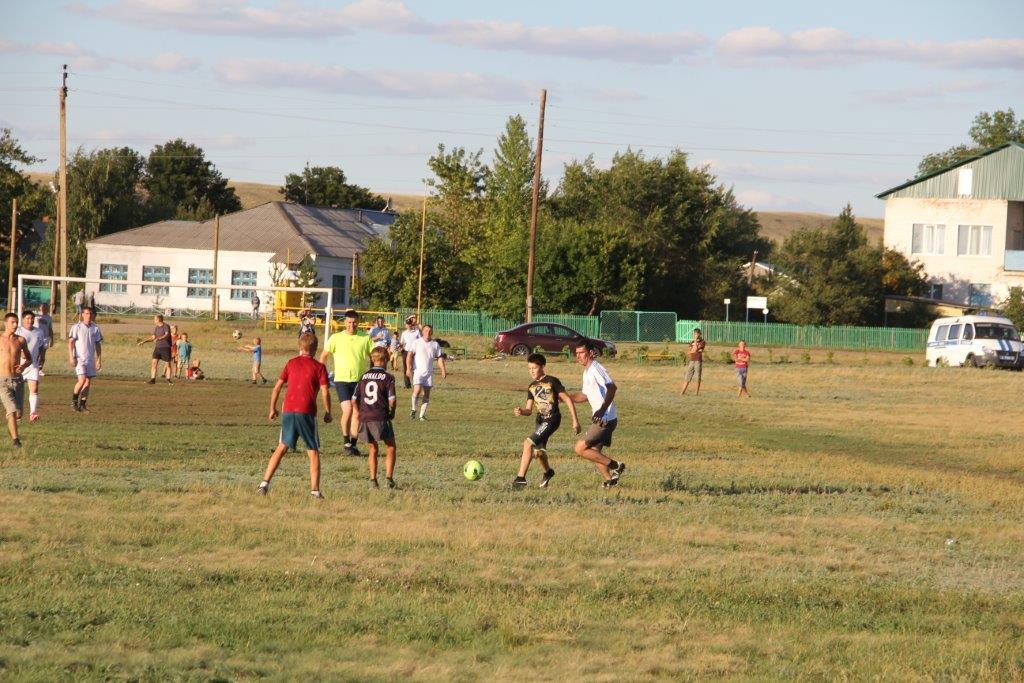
[317,495]
[34,417]
[152,380]
[264,380]
[391,483]
[546,479]
[374,484]
[170,382]
[350,450]
[263,488]
[423,418]
[519,483]
[16,443]
[610,483]
[412,414]
[254,381]
[618,471]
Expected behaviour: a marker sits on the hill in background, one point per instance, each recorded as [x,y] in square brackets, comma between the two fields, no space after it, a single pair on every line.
[775,225]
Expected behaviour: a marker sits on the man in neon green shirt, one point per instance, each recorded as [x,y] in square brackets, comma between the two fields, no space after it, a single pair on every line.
[351,351]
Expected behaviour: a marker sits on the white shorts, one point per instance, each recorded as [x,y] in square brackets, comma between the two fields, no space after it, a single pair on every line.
[423,380]
[30,374]
[86,368]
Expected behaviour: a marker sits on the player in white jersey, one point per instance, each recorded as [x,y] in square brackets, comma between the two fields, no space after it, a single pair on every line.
[599,391]
[35,340]
[410,334]
[85,354]
[422,354]
[44,321]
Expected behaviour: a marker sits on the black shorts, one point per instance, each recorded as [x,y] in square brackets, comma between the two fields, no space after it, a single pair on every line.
[600,434]
[294,425]
[372,432]
[346,390]
[162,354]
[544,430]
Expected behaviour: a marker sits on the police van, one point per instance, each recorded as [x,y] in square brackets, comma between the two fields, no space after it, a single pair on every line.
[975,340]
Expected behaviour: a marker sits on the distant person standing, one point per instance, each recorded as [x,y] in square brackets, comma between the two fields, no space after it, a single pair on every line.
[161,339]
[380,334]
[85,354]
[184,355]
[14,359]
[423,352]
[92,302]
[307,322]
[255,301]
[34,341]
[351,351]
[410,334]
[45,324]
[694,367]
[741,357]
[79,303]
[599,390]
[256,348]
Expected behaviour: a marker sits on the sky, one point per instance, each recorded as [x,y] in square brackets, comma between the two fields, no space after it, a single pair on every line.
[797,106]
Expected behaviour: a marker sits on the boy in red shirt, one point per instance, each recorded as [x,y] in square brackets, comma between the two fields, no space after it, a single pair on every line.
[741,357]
[305,377]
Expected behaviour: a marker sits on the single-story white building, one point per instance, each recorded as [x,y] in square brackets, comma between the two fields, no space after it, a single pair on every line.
[251,243]
[965,224]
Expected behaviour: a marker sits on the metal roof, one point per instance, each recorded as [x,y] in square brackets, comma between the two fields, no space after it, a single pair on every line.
[279,228]
[998,173]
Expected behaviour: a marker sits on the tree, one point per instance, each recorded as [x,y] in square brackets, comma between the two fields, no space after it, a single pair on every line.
[327,186]
[987,131]
[306,276]
[34,202]
[1013,306]
[182,184]
[459,181]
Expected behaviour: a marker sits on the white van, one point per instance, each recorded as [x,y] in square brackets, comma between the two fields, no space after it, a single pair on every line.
[975,340]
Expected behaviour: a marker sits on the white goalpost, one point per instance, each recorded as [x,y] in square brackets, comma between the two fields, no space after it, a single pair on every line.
[189,297]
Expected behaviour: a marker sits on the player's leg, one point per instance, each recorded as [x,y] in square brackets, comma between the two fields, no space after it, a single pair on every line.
[8,396]
[415,397]
[391,449]
[524,463]
[275,460]
[425,400]
[83,395]
[699,372]
[371,460]
[153,362]
[594,455]
[33,400]
[314,473]
[77,391]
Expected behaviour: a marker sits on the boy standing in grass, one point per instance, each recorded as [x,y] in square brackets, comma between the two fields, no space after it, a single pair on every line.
[544,392]
[696,364]
[14,359]
[184,354]
[257,358]
[85,355]
[422,354]
[305,377]
[741,357]
[373,409]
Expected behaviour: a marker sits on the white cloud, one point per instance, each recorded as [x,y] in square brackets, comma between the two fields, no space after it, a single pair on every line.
[829,46]
[384,83]
[790,173]
[931,93]
[84,59]
[763,200]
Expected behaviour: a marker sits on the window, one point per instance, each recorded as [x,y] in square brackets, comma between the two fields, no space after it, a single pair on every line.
[245,278]
[941,334]
[928,239]
[968,332]
[935,291]
[996,331]
[200,276]
[540,329]
[964,181]
[339,290]
[113,271]
[974,240]
[954,332]
[980,295]
[156,274]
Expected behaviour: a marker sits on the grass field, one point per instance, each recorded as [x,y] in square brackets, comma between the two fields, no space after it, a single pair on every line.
[799,534]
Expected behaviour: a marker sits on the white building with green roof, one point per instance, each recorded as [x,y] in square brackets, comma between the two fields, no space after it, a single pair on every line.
[965,224]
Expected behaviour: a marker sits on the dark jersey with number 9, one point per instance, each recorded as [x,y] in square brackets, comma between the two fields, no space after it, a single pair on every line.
[375,389]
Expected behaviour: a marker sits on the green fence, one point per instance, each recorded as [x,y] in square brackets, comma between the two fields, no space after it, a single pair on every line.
[638,326]
[479,322]
[780,334]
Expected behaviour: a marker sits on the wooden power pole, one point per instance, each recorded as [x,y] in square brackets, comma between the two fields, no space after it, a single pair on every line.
[62,204]
[214,304]
[14,248]
[531,258]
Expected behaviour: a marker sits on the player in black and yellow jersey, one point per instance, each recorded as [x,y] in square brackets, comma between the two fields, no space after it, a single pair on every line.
[543,394]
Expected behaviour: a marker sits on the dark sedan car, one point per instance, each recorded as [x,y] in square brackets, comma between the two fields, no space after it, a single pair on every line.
[550,337]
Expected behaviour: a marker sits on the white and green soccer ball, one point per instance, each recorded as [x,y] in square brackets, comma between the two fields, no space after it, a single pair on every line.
[236,335]
[473,470]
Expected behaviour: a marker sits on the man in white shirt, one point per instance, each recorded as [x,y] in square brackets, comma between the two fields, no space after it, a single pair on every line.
[410,334]
[85,355]
[35,340]
[599,391]
[422,354]
[45,324]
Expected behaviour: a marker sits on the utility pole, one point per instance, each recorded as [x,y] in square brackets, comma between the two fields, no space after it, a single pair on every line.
[14,247]
[531,258]
[355,280]
[215,307]
[423,239]
[62,206]
[750,271]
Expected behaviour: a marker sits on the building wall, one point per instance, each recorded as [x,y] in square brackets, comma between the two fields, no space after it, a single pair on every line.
[954,272]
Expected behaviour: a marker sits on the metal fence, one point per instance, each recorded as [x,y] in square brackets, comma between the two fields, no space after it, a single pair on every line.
[479,322]
[780,334]
[638,326]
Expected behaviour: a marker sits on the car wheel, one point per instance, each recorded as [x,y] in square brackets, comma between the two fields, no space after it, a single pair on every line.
[971,361]
[520,350]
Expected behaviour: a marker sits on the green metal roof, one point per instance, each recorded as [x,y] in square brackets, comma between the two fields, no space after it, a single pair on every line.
[998,174]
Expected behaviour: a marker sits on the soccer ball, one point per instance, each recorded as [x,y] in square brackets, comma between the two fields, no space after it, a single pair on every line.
[473,470]
[236,335]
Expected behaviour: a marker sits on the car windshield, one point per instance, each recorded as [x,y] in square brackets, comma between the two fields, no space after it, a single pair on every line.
[992,331]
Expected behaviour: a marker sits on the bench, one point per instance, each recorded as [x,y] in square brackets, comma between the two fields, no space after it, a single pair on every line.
[656,357]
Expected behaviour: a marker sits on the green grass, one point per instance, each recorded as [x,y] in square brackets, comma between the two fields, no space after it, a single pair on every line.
[799,534]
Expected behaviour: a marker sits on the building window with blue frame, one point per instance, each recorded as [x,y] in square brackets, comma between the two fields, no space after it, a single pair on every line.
[113,271]
[156,274]
[243,278]
[339,290]
[200,276]
[980,295]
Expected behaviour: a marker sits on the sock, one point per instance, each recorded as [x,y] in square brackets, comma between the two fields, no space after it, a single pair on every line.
[347,439]
[83,396]
[33,403]
[612,465]
[423,408]
[264,484]
[74,399]
[413,401]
